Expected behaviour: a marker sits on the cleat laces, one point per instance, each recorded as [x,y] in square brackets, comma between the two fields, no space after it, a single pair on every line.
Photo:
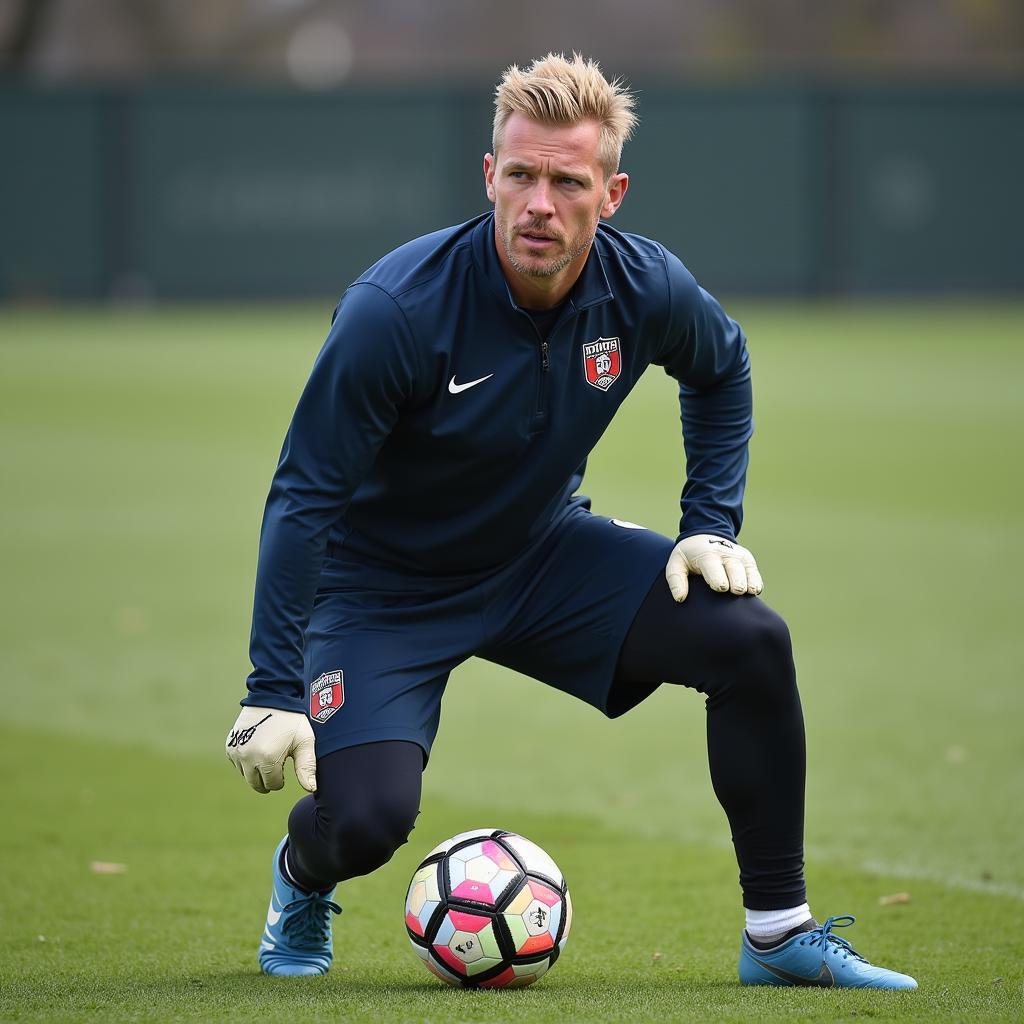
[306,922]
[824,936]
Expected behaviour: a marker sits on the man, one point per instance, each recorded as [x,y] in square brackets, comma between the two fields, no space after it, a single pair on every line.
[424,510]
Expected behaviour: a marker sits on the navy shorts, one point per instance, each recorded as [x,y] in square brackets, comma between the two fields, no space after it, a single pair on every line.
[380,646]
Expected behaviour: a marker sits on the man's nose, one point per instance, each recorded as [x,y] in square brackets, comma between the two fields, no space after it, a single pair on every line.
[540,204]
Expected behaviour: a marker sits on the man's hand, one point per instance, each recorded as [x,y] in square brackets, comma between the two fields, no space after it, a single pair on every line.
[260,741]
[724,564]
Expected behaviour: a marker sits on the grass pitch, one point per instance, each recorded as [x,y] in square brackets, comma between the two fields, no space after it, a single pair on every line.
[883,505]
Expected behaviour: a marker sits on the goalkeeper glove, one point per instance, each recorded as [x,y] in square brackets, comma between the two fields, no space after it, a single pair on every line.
[261,740]
[724,564]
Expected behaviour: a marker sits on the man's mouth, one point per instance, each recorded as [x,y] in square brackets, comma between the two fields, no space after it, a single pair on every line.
[536,236]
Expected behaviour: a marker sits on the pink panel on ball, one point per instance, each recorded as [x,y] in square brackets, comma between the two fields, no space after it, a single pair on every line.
[414,923]
[473,891]
[468,922]
[506,977]
[499,856]
[544,894]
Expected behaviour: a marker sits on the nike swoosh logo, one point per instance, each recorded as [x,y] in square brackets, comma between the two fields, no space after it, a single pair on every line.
[273,916]
[456,388]
[823,979]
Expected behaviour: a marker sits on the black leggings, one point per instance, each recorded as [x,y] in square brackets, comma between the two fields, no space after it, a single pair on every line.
[366,802]
[735,650]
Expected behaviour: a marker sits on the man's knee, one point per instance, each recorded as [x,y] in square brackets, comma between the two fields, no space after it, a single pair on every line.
[769,635]
[716,643]
[365,834]
[764,653]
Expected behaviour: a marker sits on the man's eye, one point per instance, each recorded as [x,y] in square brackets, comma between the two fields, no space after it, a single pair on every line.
[571,181]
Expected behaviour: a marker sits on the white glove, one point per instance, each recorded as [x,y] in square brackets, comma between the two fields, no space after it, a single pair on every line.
[724,564]
[260,741]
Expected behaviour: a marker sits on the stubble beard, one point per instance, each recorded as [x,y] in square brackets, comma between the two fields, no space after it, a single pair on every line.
[576,248]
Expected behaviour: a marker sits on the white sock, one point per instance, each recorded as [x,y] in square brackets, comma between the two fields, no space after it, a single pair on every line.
[770,925]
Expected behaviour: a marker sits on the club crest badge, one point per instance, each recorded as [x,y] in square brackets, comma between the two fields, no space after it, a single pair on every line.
[326,695]
[602,362]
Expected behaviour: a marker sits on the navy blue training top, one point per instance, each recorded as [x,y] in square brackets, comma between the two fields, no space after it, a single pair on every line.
[395,461]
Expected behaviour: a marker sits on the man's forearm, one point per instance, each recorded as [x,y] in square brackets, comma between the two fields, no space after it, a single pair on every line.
[292,545]
[717,426]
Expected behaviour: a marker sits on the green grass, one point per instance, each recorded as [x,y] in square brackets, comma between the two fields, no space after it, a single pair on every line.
[884,508]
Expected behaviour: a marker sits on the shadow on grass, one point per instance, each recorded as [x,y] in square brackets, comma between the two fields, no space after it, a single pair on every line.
[232,993]
[342,981]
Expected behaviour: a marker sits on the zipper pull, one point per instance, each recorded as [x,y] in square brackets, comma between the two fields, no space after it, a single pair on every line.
[544,355]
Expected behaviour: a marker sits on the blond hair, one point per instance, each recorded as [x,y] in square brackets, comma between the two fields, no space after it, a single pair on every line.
[557,91]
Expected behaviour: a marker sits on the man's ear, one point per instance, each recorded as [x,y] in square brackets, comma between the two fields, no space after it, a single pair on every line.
[615,192]
[490,163]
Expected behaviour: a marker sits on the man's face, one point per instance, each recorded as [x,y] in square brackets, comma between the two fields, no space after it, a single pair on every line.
[549,192]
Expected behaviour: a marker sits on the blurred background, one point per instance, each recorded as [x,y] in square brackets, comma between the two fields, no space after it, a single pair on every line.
[177,148]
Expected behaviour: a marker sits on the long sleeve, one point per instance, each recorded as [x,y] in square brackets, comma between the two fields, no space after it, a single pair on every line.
[706,352]
[361,378]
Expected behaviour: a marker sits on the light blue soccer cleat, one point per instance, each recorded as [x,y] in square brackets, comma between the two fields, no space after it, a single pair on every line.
[297,936]
[818,958]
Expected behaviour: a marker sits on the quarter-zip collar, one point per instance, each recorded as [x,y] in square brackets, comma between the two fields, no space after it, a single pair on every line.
[591,288]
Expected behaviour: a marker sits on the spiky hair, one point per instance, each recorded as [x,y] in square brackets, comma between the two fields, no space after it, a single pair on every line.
[557,91]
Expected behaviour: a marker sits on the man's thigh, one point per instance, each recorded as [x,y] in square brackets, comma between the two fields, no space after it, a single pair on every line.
[706,643]
[377,661]
[562,615]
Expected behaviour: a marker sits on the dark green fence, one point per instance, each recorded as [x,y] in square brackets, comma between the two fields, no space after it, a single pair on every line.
[797,190]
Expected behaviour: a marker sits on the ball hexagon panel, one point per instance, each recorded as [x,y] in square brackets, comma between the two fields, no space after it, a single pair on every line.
[466,947]
[466,943]
[538,918]
[518,975]
[481,872]
[423,898]
[481,869]
[520,901]
[534,858]
[533,918]
[527,974]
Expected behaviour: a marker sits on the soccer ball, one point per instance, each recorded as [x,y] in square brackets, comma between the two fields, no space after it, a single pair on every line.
[488,909]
